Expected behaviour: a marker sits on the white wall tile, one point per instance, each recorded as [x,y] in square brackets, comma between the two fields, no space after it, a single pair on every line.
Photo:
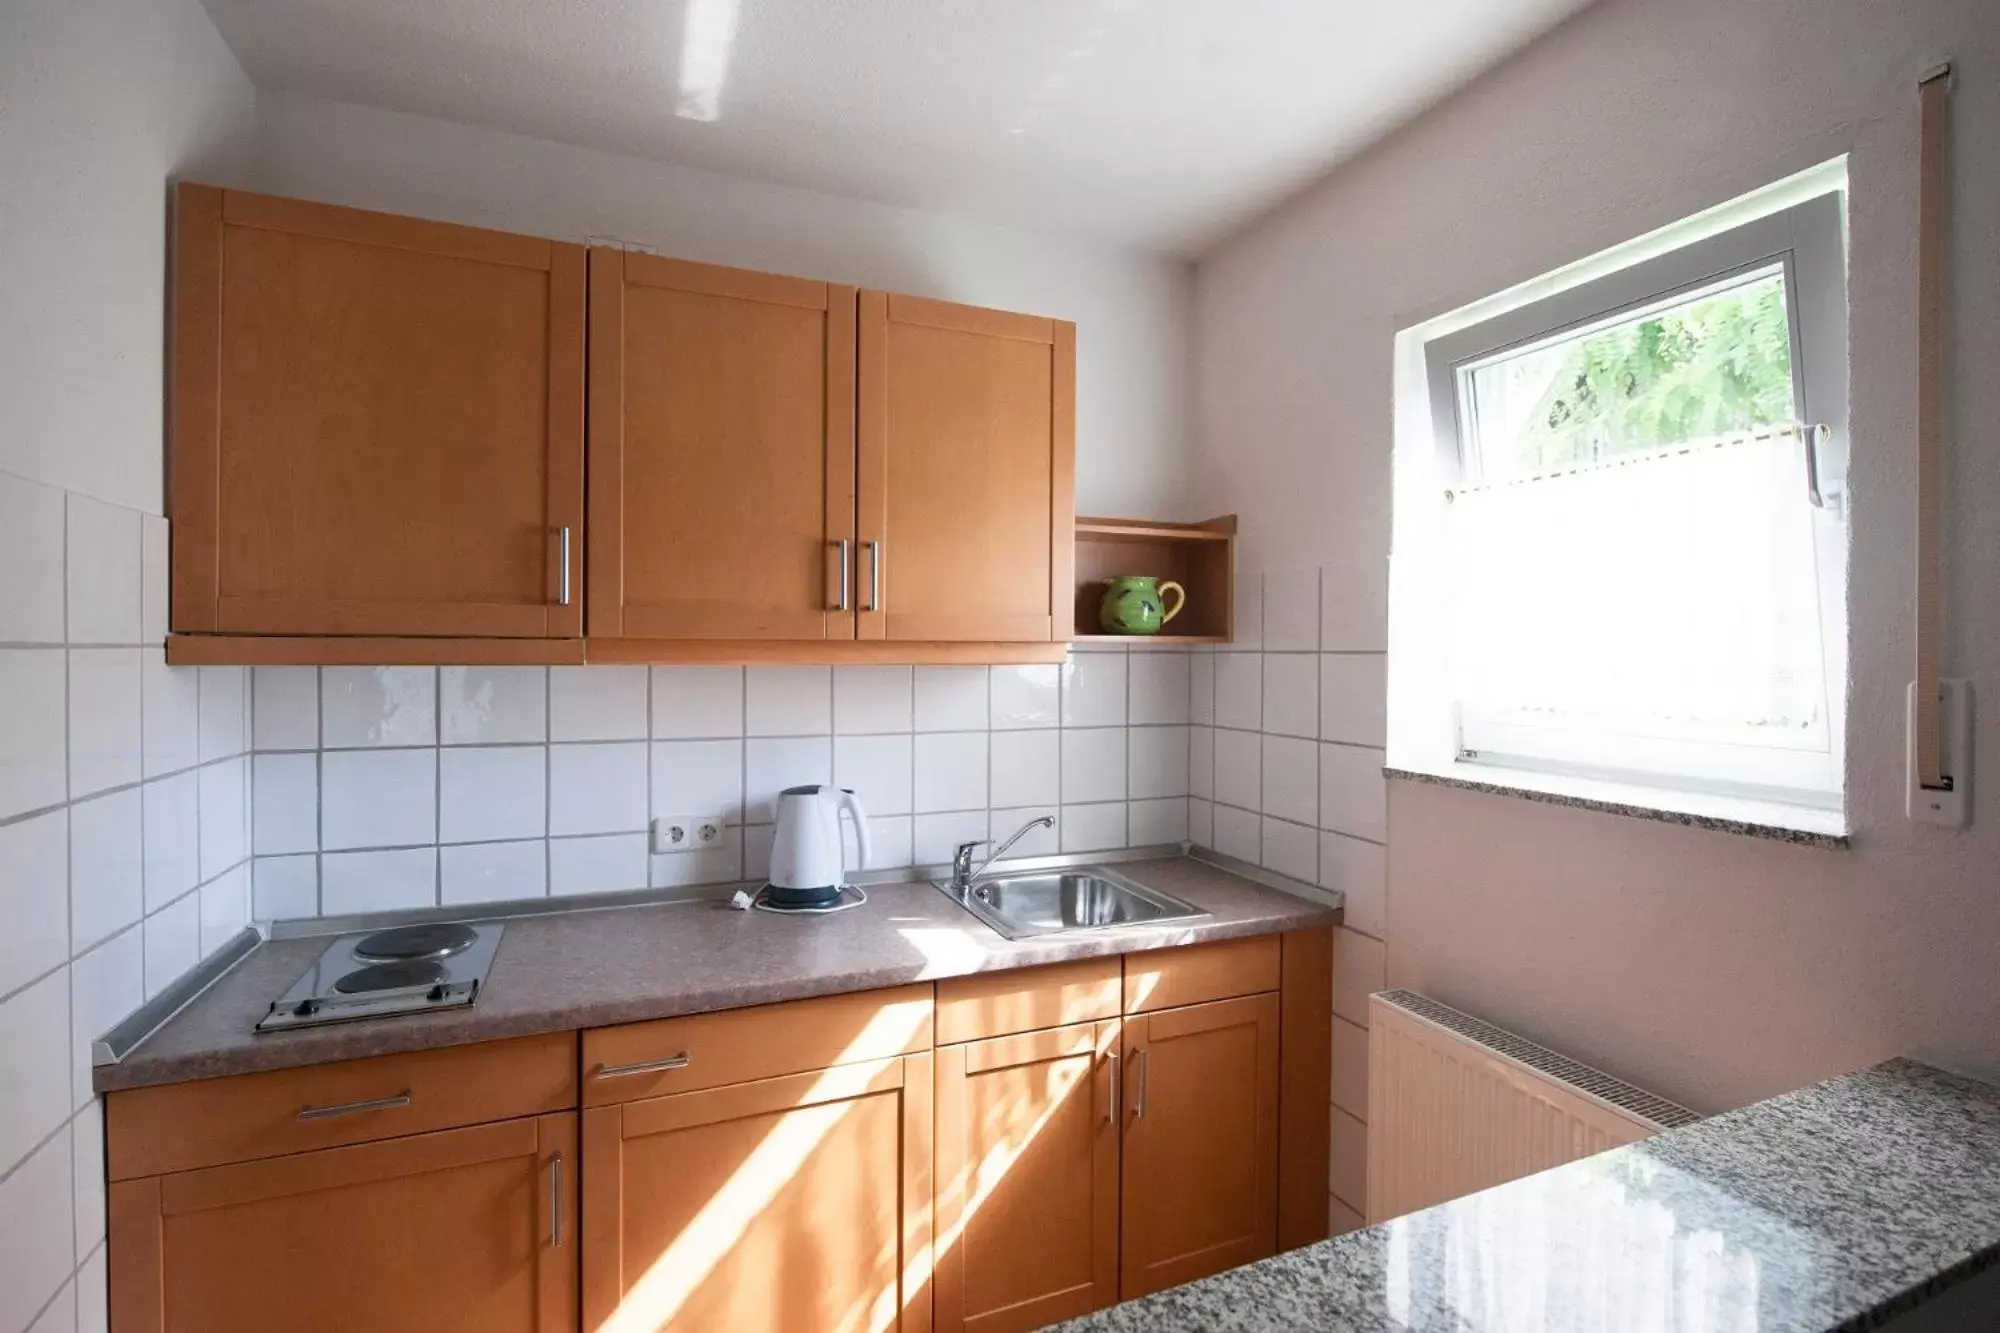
[1360,968]
[59,1315]
[1248,606]
[711,865]
[1291,610]
[1092,828]
[106,865]
[1239,690]
[34,1052]
[284,887]
[1201,762]
[225,907]
[377,881]
[1352,796]
[488,705]
[377,798]
[1291,694]
[1026,696]
[34,749]
[1094,690]
[1201,822]
[1361,871]
[1003,823]
[284,708]
[105,738]
[34,898]
[154,544]
[1027,768]
[1354,607]
[1238,833]
[1157,762]
[221,792]
[788,701]
[1350,1068]
[492,792]
[598,703]
[1157,822]
[877,769]
[695,702]
[1354,698]
[173,942]
[487,872]
[284,803]
[890,836]
[597,865]
[171,841]
[951,698]
[1201,689]
[698,778]
[364,707]
[105,985]
[1347,1175]
[771,764]
[951,770]
[1159,686]
[935,836]
[104,572]
[37,1234]
[1093,765]
[93,1291]
[1239,767]
[87,1152]
[225,703]
[597,789]
[1290,849]
[1291,779]
[31,553]
[169,714]
[872,699]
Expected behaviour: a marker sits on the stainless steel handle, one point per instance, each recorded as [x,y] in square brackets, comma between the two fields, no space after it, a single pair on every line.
[401,1099]
[1139,1102]
[1111,1108]
[841,603]
[562,593]
[874,576]
[643,1067]
[555,1201]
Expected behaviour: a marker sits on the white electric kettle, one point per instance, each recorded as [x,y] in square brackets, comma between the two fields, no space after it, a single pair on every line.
[806,866]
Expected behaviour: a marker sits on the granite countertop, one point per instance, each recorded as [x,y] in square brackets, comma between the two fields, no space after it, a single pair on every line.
[1834,1208]
[584,969]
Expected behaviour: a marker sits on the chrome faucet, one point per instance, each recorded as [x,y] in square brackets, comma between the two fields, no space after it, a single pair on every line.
[962,873]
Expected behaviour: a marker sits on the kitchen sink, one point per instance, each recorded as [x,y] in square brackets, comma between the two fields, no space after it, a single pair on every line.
[1058,902]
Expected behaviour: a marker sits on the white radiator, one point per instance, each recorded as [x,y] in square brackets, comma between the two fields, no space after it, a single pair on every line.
[1456,1104]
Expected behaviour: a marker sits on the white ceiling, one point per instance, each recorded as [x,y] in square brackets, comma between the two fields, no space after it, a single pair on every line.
[1162,123]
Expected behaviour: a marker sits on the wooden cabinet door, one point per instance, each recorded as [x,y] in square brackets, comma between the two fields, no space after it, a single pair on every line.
[799,1203]
[377,424]
[467,1230]
[1201,1142]
[721,452]
[1027,1178]
[967,424]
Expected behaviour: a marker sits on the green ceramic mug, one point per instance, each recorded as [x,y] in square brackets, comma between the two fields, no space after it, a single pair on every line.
[1132,604]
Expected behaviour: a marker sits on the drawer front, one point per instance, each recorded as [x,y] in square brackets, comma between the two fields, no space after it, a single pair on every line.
[998,1004]
[1168,978]
[184,1126]
[670,1055]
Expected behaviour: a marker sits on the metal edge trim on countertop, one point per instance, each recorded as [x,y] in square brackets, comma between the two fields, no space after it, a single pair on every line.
[1270,879]
[154,1014]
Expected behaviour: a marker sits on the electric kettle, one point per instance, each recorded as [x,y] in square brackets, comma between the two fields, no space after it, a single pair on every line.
[806,866]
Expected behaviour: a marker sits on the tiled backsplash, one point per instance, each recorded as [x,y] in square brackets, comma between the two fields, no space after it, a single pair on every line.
[385,787]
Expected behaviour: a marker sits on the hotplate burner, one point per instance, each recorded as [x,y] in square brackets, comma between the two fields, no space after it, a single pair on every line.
[404,943]
[391,976]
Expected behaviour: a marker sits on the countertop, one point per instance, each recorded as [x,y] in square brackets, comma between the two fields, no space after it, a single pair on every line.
[1834,1208]
[585,969]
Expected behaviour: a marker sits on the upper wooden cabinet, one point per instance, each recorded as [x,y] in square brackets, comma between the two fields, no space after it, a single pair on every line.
[377,424]
[967,423]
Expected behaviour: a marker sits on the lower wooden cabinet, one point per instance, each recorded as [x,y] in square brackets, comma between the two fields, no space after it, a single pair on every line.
[1200,1189]
[470,1230]
[1027,1178]
[798,1203]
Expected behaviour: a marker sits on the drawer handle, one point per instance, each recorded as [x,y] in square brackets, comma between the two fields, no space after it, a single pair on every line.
[874,576]
[401,1099]
[562,592]
[840,602]
[643,1067]
[1111,1106]
[555,1201]
[1139,1102]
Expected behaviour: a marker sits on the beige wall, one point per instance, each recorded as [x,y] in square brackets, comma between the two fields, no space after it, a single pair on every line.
[1715,968]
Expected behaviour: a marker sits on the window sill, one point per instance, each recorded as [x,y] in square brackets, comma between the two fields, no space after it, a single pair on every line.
[1722,814]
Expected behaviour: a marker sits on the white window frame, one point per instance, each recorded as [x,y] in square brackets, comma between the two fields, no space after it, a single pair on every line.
[1798,227]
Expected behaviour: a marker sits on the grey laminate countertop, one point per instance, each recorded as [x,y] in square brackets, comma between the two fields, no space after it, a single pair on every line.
[620,965]
[1838,1207]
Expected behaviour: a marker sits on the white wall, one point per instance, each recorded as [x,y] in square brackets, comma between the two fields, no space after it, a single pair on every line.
[1132,308]
[123,786]
[1716,968]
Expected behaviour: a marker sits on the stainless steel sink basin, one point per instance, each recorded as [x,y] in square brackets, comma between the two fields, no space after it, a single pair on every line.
[1054,902]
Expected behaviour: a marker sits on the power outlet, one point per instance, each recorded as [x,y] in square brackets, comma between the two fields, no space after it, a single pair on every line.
[686,833]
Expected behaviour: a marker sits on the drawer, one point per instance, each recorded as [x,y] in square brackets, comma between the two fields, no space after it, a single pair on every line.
[182,1126]
[1198,973]
[998,1004]
[671,1055]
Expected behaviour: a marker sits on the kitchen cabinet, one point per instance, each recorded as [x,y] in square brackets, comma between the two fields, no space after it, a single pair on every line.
[376,434]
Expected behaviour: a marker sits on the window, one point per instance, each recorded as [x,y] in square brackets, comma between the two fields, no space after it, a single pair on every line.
[1633,508]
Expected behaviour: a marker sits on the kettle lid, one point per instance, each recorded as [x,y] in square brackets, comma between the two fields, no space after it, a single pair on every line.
[810,789]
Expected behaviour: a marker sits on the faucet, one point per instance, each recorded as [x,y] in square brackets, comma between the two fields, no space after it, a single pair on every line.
[962,873]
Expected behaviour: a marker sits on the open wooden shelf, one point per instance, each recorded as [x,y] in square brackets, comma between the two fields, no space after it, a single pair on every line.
[1201,557]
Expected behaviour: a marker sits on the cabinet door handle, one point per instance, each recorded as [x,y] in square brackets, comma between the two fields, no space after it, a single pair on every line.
[396,1102]
[1111,1107]
[1139,1102]
[874,577]
[643,1067]
[555,1201]
[840,603]
[562,583]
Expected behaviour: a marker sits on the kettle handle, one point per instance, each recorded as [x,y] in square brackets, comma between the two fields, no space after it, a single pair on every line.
[852,804]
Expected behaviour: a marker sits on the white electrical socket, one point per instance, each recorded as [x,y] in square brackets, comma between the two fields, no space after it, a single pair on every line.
[686,833]
[708,831]
[1950,806]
